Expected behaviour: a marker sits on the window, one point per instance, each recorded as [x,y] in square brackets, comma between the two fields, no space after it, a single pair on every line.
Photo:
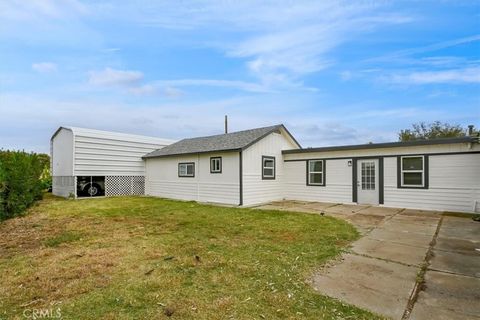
[368,175]
[186,169]
[412,171]
[315,173]
[268,168]
[216,165]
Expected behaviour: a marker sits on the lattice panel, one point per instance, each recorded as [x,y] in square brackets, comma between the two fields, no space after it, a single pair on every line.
[138,185]
[124,185]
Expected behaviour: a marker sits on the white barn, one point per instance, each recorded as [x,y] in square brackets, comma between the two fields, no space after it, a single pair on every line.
[87,162]
[260,165]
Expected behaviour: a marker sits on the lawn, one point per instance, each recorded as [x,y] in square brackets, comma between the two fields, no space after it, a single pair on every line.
[144,258]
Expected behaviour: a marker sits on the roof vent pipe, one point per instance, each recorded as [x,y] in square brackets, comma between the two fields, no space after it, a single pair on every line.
[226,124]
[470,130]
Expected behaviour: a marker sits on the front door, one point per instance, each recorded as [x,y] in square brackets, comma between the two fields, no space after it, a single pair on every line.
[367,181]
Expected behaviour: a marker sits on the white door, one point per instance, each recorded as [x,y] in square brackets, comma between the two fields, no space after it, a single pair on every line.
[367,181]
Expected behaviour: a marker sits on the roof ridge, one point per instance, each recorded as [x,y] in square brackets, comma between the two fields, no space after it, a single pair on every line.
[233,141]
[234,132]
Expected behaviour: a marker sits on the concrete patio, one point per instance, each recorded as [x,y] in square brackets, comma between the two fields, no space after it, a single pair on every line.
[409,264]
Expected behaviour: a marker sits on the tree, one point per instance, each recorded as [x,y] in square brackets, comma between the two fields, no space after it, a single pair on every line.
[435,130]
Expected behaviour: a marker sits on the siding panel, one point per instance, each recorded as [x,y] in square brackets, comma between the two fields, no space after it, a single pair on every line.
[454,184]
[256,190]
[338,188]
[162,179]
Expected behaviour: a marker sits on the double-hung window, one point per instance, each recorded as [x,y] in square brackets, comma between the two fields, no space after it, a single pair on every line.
[216,165]
[186,169]
[316,172]
[268,168]
[412,171]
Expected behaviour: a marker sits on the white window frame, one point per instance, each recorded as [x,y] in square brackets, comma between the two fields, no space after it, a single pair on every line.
[268,176]
[402,171]
[322,183]
[186,175]
[212,165]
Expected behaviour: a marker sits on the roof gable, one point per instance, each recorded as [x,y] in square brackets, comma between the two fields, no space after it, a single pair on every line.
[234,141]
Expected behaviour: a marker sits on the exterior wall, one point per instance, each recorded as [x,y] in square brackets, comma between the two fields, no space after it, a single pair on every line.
[86,152]
[63,186]
[256,190]
[111,154]
[61,146]
[62,153]
[162,178]
[454,185]
[338,182]
[453,178]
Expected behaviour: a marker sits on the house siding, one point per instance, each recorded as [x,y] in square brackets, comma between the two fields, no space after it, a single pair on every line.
[453,184]
[162,179]
[454,175]
[338,182]
[255,189]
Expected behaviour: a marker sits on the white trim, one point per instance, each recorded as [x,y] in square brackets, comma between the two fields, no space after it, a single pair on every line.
[402,171]
[309,172]
[264,159]
[214,163]
[186,164]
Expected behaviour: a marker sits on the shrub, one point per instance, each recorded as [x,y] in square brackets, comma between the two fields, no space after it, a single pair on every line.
[20,184]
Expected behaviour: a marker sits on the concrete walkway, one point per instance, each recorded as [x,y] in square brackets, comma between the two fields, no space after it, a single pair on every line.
[409,264]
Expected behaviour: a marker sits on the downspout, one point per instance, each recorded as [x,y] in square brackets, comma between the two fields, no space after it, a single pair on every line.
[197,175]
[240,178]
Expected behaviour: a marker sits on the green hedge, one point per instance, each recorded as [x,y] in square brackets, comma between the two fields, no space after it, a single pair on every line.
[20,181]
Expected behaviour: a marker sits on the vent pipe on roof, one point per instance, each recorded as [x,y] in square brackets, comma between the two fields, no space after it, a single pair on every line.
[470,130]
[226,124]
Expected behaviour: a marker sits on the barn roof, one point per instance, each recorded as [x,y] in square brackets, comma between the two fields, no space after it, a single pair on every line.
[234,141]
[93,133]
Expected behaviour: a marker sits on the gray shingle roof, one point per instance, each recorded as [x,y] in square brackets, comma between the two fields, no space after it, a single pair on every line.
[222,142]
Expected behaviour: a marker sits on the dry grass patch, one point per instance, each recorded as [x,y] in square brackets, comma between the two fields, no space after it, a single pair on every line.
[143,258]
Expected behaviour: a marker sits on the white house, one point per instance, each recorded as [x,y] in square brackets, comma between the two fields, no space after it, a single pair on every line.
[265,164]
[86,162]
[442,174]
[240,168]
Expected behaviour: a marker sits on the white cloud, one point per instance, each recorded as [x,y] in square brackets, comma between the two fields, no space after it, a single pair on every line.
[44,67]
[38,9]
[279,46]
[149,89]
[465,75]
[346,75]
[114,77]
[429,48]
[233,84]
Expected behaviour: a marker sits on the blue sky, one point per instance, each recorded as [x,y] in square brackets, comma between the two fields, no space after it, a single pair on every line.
[334,72]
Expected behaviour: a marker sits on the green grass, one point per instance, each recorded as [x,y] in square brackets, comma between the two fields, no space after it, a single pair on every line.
[140,258]
[64,237]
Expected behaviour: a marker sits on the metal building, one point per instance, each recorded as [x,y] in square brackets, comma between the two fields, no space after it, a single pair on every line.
[87,162]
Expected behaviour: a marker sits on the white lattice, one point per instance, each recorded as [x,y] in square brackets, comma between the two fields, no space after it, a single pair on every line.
[124,185]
